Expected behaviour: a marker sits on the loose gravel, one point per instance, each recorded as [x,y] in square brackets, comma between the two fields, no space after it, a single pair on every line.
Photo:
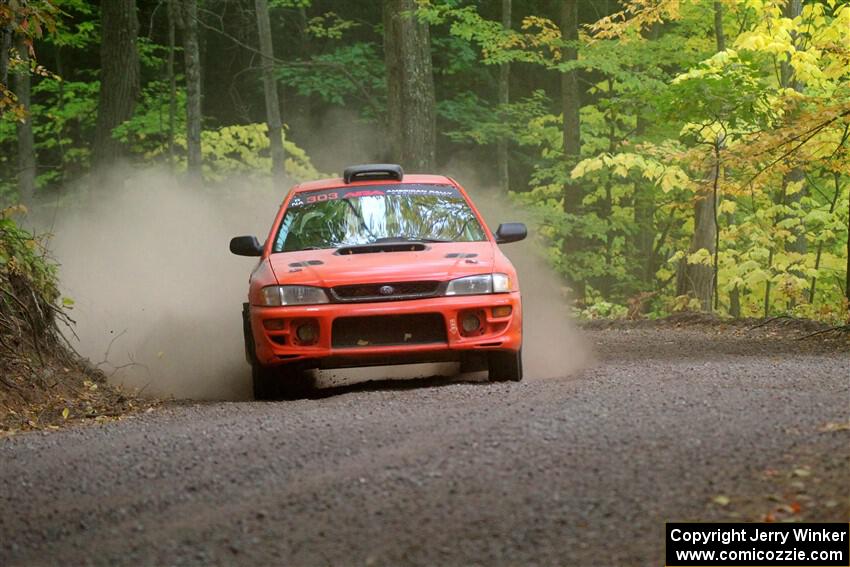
[584,469]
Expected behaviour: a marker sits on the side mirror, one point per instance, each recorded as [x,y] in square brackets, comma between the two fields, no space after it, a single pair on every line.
[510,232]
[246,246]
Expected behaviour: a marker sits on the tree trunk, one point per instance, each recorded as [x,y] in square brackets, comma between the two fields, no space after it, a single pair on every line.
[172,79]
[699,280]
[392,62]
[847,276]
[26,144]
[411,113]
[719,35]
[5,46]
[644,208]
[119,76]
[504,98]
[192,59]
[273,121]
[571,106]
[793,9]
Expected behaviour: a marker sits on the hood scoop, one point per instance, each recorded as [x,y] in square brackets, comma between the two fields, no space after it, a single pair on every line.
[381,247]
[461,255]
[306,263]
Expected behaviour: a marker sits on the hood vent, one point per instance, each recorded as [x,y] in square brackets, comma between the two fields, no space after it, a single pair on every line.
[382,247]
[461,255]
[306,263]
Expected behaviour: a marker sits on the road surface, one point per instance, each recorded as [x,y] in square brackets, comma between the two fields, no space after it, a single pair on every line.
[670,423]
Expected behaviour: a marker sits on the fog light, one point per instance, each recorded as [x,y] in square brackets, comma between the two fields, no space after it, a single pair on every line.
[307,333]
[274,324]
[470,323]
[502,311]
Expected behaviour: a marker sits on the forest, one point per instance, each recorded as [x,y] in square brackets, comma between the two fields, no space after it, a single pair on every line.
[676,155]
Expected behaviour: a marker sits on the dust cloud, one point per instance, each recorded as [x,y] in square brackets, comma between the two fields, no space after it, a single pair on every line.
[158,295]
[553,347]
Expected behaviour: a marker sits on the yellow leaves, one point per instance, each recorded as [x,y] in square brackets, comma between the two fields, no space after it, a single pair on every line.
[13,210]
[586,166]
[702,256]
[674,178]
[721,500]
[816,44]
[623,164]
[243,149]
[833,427]
[636,16]
[727,206]
[794,187]
[65,413]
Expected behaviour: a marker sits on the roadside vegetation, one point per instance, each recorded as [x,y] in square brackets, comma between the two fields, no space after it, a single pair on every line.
[43,382]
[678,156]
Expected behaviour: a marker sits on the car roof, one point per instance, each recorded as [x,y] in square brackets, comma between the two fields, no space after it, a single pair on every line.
[338,182]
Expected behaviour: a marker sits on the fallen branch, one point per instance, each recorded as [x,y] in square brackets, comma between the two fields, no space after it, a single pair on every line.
[837,330]
[768,321]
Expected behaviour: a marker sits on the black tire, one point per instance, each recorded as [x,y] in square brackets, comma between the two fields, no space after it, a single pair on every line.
[295,384]
[504,366]
[265,381]
[281,383]
[473,362]
[248,336]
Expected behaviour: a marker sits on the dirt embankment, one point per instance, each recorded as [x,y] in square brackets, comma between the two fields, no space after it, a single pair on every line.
[43,382]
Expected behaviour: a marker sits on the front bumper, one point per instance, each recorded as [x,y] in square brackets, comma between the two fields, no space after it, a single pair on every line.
[276,341]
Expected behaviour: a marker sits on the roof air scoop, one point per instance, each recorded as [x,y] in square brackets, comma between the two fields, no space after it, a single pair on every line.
[381,247]
[373,172]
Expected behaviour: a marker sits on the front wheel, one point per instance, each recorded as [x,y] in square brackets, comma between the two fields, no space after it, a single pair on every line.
[505,366]
[280,383]
[265,382]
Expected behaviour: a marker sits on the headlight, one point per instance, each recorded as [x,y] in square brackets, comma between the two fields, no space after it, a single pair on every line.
[477,285]
[276,295]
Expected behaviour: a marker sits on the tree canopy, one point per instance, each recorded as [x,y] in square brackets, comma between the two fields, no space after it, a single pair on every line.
[677,155]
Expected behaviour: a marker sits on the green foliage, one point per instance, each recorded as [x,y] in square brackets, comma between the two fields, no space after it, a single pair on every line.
[353,72]
[660,111]
[63,120]
[23,265]
[146,133]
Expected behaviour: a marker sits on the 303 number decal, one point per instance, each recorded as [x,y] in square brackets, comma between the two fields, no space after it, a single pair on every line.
[321,197]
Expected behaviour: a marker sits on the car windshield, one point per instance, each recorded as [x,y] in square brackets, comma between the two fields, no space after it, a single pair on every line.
[364,215]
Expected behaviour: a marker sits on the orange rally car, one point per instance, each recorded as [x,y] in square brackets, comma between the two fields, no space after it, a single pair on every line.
[379,268]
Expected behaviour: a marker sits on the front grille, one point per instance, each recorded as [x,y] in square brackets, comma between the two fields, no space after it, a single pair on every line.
[386,330]
[385,291]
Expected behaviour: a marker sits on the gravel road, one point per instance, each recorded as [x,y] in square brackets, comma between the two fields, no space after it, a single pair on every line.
[670,423]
